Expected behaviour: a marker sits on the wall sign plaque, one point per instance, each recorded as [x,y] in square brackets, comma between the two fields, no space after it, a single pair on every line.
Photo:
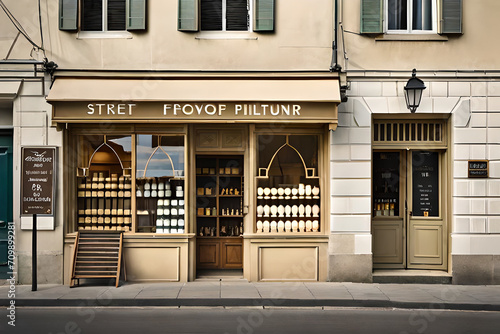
[478,168]
[37,188]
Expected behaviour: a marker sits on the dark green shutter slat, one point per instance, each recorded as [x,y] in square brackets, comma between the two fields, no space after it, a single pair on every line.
[92,15]
[68,14]
[187,15]
[451,17]
[236,15]
[264,15]
[211,14]
[371,16]
[116,15]
[136,14]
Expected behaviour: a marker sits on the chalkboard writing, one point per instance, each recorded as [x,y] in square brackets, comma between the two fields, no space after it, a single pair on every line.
[425,175]
[478,168]
[37,180]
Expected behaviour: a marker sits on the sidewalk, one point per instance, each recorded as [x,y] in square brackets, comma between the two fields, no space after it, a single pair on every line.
[243,293]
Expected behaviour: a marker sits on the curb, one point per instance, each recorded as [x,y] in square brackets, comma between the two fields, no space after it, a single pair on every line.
[244,302]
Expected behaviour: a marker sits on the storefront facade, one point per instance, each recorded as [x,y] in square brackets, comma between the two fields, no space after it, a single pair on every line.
[241,129]
[216,184]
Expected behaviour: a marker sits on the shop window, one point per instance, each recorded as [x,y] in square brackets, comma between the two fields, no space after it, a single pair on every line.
[411,16]
[102,15]
[226,15]
[160,189]
[288,187]
[104,183]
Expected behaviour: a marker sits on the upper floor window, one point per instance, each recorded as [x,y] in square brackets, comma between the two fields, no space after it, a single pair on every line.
[226,15]
[411,16]
[102,15]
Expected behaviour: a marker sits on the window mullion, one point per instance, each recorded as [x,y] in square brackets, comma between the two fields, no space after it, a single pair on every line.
[224,9]
[409,16]
[104,15]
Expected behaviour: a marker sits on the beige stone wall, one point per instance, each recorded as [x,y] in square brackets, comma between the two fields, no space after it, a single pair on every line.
[473,50]
[301,41]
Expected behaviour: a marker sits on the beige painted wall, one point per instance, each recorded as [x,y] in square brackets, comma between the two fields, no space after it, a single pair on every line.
[472,50]
[302,41]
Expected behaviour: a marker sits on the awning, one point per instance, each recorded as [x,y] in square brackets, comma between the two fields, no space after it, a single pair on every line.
[188,100]
[189,90]
[9,89]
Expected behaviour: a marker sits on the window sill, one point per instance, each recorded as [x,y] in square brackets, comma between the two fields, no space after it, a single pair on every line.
[411,38]
[226,35]
[104,35]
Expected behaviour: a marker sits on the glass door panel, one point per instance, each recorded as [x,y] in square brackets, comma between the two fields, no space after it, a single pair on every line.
[425,177]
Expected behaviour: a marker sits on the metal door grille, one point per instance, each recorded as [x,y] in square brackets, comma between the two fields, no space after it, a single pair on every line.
[389,131]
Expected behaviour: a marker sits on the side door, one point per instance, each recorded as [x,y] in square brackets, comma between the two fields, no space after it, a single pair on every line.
[388,218]
[426,228]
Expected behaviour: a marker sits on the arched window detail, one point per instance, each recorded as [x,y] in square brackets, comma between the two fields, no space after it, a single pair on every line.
[159,148]
[309,173]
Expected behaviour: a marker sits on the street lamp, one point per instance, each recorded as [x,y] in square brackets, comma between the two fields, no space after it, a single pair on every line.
[413,91]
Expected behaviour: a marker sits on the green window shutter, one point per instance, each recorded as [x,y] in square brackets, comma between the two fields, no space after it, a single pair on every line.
[68,14]
[371,16]
[264,15]
[187,15]
[451,17]
[136,14]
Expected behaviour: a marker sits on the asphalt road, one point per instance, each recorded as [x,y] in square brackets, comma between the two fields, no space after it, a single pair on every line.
[248,320]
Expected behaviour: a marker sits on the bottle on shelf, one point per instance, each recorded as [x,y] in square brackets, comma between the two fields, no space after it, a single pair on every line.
[392,206]
[386,207]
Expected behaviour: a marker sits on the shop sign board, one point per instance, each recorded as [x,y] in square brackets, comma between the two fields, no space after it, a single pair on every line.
[38,180]
[269,111]
[478,169]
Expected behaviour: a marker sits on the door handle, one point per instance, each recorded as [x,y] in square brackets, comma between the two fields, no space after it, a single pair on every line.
[3,224]
[411,213]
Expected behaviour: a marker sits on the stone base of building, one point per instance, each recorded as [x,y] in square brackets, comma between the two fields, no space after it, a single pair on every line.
[49,269]
[476,269]
[350,268]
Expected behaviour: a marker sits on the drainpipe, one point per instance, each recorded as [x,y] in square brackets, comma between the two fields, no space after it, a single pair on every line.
[334,66]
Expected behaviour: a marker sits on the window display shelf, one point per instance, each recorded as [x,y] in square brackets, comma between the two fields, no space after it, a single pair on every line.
[288,197]
[294,209]
[160,205]
[219,191]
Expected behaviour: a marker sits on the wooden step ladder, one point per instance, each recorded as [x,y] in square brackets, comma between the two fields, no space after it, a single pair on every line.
[97,254]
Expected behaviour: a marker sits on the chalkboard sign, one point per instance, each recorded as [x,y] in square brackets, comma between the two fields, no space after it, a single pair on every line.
[478,168]
[37,189]
[425,175]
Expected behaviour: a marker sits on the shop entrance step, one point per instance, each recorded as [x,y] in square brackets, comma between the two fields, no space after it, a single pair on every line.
[412,276]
